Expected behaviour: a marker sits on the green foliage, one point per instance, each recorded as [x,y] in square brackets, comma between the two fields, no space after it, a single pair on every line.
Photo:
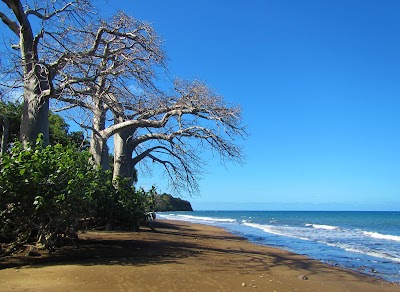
[131,207]
[58,130]
[58,127]
[77,139]
[121,208]
[44,191]
[13,112]
[166,202]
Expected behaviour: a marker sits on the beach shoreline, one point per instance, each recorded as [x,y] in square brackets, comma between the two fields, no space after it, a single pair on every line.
[179,256]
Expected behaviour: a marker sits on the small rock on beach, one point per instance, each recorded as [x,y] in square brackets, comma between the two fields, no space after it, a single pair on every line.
[302,277]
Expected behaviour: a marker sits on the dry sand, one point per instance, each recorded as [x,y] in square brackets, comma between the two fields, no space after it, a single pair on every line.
[177,257]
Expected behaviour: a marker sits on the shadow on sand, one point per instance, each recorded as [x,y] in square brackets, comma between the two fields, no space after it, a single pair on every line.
[170,243]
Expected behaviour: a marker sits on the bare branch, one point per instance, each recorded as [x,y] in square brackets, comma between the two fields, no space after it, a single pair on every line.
[18,11]
[180,173]
[173,130]
[50,15]
[68,107]
[11,24]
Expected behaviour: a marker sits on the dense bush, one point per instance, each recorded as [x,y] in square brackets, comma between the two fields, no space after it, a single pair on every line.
[44,191]
[131,206]
[121,208]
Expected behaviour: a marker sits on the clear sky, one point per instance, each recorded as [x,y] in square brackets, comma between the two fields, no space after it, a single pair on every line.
[319,84]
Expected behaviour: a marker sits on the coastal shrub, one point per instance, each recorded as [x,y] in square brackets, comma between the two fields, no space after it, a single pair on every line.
[43,190]
[46,191]
[122,208]
[133,205]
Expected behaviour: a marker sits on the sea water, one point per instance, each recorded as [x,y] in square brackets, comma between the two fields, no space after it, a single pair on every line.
[368,242]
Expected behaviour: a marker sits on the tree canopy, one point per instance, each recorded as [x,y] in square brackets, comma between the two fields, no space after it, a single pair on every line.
[105,77]
[109,75]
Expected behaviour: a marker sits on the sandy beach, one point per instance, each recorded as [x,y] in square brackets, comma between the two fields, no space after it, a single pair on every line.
[179,256]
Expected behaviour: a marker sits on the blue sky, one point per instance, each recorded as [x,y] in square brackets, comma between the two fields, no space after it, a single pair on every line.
[319,84]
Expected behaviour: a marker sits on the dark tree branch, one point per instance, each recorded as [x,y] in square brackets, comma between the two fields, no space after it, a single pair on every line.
[11,24]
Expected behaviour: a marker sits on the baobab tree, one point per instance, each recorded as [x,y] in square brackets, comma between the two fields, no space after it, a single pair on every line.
[40,29]
[109,55]
[111,74]
[175,130]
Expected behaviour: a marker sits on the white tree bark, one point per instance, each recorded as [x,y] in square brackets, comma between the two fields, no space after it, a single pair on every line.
[124,167]
[98,143]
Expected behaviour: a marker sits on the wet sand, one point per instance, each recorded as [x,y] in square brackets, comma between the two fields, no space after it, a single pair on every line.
[179,256]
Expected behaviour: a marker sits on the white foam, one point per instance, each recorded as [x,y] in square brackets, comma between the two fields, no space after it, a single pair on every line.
[191,218]
[382,236]
[322,226]
[275,230]
[365,251]
[265,228]
[352,240]
[375,254]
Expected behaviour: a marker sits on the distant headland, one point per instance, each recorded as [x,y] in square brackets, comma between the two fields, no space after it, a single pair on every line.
[166,202]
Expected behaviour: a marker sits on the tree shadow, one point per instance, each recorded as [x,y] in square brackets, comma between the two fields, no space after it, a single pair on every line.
[112,248]
[169,243]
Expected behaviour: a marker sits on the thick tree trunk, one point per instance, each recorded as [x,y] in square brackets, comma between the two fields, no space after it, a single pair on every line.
[123,163]
[99,151]
[4,137]
[35,119]
[98,143]
[35,109]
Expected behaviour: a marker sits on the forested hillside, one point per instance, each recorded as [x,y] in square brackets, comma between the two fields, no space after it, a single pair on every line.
[166,202]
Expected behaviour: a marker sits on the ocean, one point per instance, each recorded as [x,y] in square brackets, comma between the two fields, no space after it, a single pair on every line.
[368,242]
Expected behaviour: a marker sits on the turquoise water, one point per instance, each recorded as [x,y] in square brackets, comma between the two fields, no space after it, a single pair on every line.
[368,242]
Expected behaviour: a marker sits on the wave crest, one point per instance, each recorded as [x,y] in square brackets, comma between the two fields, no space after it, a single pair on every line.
[382,236]
[322,226]
[195,219]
